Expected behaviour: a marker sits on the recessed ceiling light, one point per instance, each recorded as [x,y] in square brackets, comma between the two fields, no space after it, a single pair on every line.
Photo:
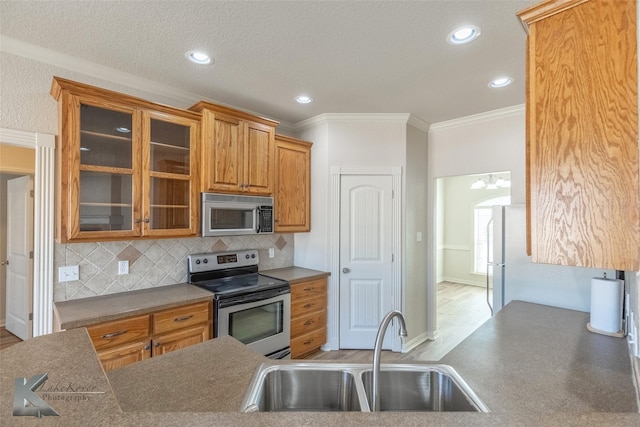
[122,129]
[463,34]
[501,82]
[303,99]
[198,57]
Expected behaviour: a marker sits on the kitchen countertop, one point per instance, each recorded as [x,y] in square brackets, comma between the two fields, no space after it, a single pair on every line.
[531,365]
[295,275]
[536,358]
[89,311]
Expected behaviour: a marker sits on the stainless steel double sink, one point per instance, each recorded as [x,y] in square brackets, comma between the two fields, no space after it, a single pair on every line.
[347,387]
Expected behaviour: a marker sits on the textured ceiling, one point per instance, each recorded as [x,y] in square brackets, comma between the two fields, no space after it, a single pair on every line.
[350,56]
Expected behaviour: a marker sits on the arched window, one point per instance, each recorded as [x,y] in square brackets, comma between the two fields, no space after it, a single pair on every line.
[483,244]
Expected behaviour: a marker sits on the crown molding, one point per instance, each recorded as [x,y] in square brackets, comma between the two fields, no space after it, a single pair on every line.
[326,118]
[481,117]
[75,64]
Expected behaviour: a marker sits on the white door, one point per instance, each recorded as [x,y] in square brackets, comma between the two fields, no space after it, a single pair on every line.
[19,262]
[366,269]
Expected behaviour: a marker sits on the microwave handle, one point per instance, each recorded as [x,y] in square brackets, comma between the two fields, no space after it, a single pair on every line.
[257,219]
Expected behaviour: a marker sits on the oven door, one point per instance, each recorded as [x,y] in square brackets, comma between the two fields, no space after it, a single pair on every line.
[260,320]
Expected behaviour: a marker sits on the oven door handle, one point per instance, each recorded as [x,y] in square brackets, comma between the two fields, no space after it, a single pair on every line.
[251,297]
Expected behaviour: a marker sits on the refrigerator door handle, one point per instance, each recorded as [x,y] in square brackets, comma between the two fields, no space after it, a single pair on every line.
[489,262]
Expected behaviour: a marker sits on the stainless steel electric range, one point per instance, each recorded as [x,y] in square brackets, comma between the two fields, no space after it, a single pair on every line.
[248,306]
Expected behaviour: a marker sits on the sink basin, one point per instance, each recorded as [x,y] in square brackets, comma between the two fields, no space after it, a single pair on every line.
[422,388]
[347,387]
[303,388]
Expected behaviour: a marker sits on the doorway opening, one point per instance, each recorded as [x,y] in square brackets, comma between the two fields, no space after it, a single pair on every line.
[17,169]
[463,247]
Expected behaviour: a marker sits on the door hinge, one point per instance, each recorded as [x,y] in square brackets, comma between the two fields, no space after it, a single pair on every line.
[31,254]
[31,193]
[392,257]
[30,316]
[393,194]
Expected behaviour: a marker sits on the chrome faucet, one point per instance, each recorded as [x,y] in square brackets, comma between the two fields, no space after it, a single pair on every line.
[375,386]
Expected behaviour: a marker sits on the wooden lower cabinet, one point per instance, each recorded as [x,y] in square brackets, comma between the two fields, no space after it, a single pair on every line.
[125,341]
[124,355]
[180,339]
[308,317]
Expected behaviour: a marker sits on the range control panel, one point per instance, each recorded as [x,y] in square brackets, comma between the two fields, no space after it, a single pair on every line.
[222,260]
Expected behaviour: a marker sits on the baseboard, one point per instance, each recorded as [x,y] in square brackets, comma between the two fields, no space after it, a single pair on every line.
[410,345]
[463,281]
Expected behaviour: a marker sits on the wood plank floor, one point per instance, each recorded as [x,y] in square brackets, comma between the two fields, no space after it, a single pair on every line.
[7,339]
[461,310]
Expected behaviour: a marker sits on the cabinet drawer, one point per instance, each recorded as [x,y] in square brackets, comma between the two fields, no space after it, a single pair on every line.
[111,334]
[180,317]
[309,289]
[306,306]
[311,322]
[308,343]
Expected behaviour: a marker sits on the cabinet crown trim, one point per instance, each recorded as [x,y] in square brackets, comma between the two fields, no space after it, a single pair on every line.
[544,10]
[204,105]
[59,85]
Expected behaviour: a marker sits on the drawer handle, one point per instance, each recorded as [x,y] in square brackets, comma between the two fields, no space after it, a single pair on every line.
[308,342]
[308,305]
[183,318]
[114,334]
[309,289]
[308,322]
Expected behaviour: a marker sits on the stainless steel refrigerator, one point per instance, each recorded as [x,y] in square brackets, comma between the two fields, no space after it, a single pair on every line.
[513,276]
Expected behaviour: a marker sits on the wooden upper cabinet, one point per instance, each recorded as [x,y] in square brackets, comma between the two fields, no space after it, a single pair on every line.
[582,133]
[238,153]
[126,167]
[293,185]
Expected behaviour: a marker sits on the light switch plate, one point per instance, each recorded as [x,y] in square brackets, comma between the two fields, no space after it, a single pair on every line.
[68,273]
[272,252]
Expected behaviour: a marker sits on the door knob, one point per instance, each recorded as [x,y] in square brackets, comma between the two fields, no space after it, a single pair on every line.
[4,262]
[346,270]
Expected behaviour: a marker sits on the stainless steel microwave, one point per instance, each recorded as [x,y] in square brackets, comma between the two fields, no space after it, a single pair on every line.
[230,215]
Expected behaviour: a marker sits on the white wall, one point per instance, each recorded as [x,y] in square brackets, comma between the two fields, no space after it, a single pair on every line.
[368,140]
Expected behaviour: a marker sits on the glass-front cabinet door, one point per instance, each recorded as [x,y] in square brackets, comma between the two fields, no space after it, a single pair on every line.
[103,157]
[127,168]
[171,180]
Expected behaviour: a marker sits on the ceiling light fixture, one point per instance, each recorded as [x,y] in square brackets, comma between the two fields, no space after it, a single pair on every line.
[123,129]
[198,57]
[303,99]
[490,183]
[463,34]
[501,82]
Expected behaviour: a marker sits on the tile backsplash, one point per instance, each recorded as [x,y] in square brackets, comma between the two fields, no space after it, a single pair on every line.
[152,263]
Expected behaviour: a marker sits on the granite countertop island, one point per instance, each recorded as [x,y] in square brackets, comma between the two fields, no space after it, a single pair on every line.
[531,364]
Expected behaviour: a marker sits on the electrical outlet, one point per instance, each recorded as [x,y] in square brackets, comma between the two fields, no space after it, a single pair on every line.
[123,267]
[68,273]
[272,252]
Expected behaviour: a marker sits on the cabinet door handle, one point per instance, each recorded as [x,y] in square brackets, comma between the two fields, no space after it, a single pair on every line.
[146,220]
[138,221]
[157,344]
[147,347]
[183,318]
[114,334]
